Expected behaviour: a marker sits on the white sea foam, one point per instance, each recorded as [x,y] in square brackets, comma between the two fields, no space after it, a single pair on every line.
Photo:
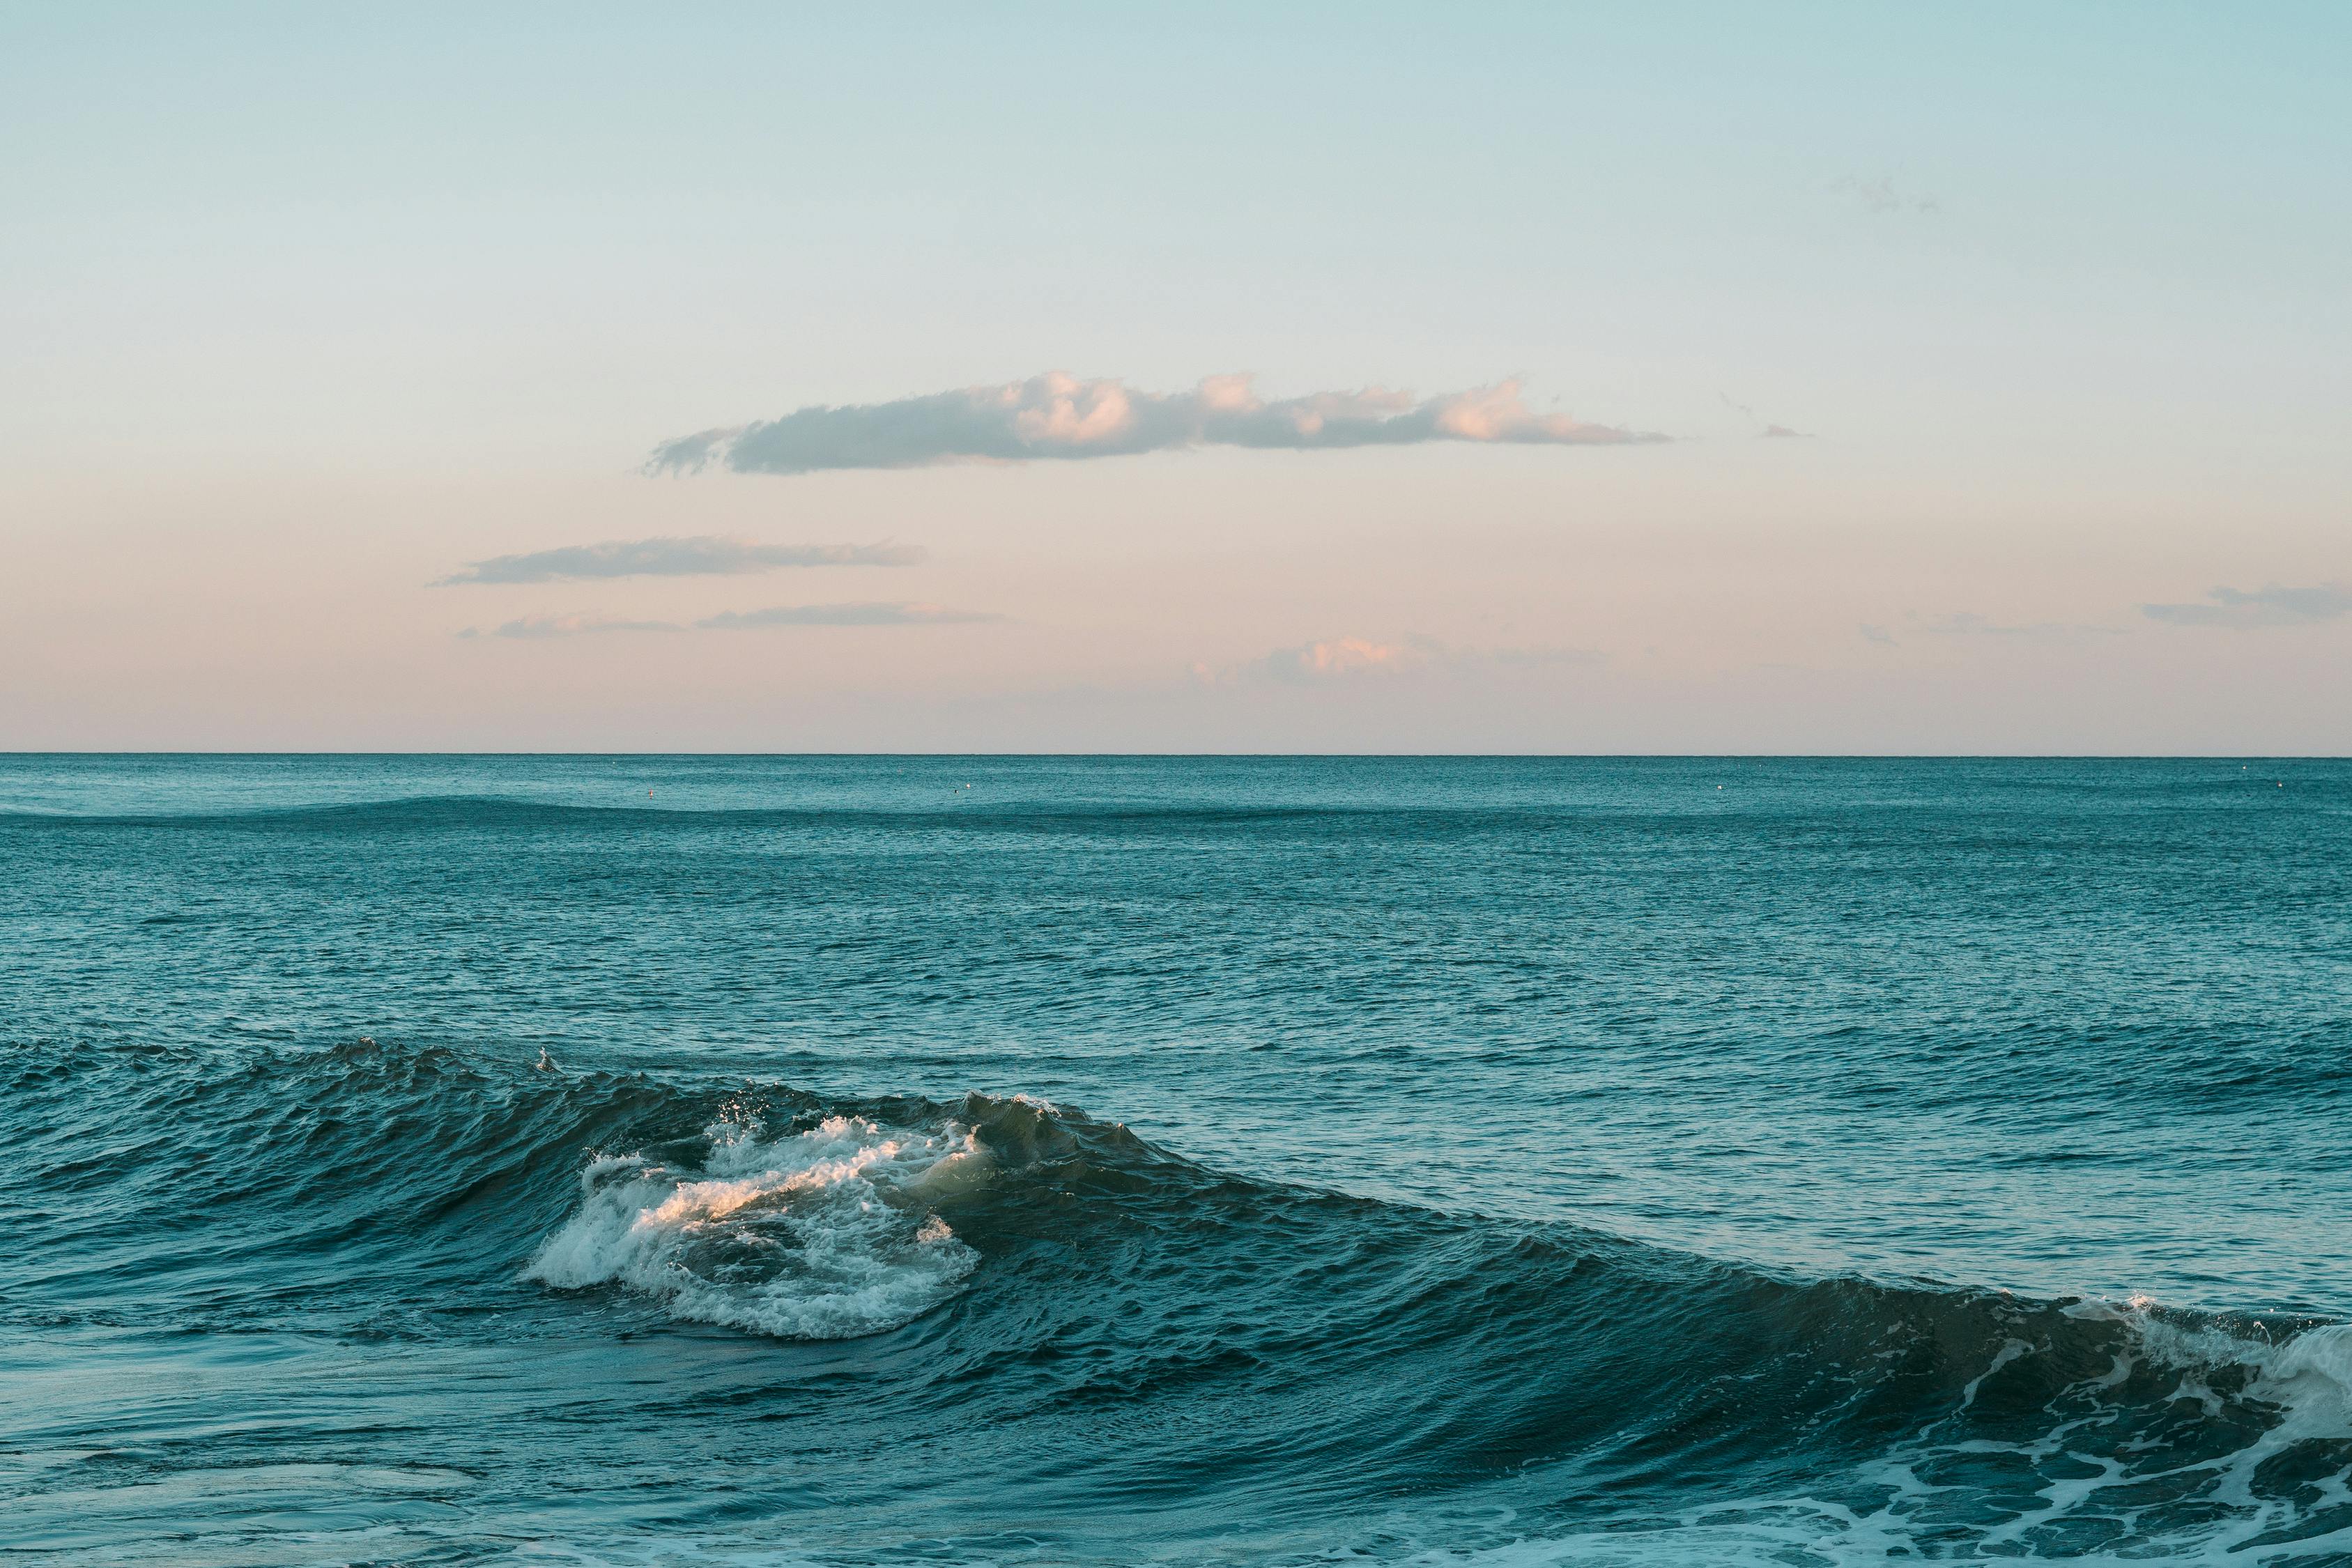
[820,1234]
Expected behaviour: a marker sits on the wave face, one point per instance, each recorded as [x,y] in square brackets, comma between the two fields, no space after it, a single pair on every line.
[1547,1165]
[915,1295]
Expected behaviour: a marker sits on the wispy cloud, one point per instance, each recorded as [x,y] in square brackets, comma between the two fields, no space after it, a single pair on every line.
[1878,635]
[2271,606]
[859,614]
[1062,417]
[701,555]
[1778,432]
[1882,196]
[572,626]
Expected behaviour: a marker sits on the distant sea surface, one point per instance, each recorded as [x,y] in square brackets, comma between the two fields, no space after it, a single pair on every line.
[769,1161]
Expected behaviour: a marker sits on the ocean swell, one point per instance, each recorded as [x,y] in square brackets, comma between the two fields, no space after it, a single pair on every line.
[1099,1324]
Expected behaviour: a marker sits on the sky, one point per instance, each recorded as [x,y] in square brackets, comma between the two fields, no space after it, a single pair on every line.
[1676,378]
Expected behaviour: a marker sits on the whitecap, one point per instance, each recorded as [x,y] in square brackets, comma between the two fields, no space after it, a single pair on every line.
[819,1234]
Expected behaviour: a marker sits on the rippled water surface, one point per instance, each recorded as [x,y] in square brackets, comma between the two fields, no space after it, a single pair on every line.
[761,1160]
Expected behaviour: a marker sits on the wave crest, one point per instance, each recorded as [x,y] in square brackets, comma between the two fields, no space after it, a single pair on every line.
[821,1234]
[1166,1320]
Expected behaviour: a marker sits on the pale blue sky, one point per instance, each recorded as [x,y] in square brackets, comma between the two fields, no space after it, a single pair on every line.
[302,308]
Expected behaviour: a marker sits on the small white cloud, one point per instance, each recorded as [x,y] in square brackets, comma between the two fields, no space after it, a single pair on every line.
[858,614]
[1058,415]
[2272,606]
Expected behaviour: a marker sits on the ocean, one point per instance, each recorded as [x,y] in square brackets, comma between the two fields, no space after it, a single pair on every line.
[737,1161]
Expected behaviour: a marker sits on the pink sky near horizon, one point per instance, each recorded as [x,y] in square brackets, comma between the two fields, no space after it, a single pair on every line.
[2017,432]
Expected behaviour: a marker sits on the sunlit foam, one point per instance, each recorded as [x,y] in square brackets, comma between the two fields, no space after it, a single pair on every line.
[820,1234]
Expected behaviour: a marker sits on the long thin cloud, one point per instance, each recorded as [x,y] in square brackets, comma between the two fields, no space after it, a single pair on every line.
[860,615]
[2271,607]
[1061,417]
[583,624]
[700,556]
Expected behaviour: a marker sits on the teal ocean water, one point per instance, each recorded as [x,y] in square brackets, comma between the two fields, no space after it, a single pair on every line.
[766,1160]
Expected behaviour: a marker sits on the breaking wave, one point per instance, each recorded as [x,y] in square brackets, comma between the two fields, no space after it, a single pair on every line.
[817,1235]
[1099,1324]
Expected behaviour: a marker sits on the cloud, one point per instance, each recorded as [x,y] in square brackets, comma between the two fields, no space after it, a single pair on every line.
[1341,658]
[1780,432]
[1344,660]
[1878,635]
[2271,606]
[1879,195]
[1060,416]
[702,555]
[573,625]
[852,615]
[860,615]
